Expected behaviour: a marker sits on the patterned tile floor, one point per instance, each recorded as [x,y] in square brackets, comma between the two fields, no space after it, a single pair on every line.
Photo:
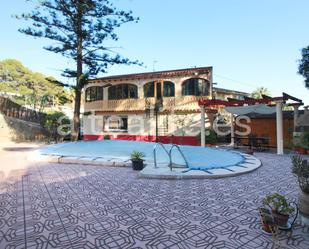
[76,206]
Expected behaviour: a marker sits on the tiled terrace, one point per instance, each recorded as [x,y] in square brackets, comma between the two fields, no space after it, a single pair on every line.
[76,206]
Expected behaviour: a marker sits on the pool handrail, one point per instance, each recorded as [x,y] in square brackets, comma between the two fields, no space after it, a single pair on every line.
[181,153]
[155,155]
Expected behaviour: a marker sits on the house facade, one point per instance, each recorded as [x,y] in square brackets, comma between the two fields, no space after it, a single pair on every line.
[155,106]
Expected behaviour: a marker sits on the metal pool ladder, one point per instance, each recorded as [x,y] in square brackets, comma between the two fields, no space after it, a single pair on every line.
[169,154]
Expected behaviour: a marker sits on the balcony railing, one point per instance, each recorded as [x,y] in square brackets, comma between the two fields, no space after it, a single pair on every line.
[169,103]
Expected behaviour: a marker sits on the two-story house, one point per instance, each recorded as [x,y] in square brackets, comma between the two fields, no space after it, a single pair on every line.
[151,106]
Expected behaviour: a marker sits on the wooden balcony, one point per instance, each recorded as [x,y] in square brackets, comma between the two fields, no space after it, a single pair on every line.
[116,105]
[182,103]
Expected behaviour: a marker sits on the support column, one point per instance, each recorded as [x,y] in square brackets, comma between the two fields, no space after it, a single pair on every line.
[279,124]
[203,126]
[232,131]
[295,115]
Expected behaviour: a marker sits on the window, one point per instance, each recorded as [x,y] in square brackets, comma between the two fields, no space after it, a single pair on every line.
[100,93]
[195,87]
[149,90]
[88,94]
[116,123]
[168,89]
[94,93]
[122,91]
[239,97]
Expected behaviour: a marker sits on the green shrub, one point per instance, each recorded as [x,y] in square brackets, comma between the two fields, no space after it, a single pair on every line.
[107,137]
[210,137]
[300,168]
[55,119]
[304,140]
[137,155]
[278,203]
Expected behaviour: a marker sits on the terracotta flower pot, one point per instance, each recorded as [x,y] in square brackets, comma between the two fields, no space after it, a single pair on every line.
[266,220]
[280,219]
[266,227]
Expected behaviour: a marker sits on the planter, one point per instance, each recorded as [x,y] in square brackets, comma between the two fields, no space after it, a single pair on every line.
[266,220]
[137,164]
[267,228]
[303,203]
[280,219]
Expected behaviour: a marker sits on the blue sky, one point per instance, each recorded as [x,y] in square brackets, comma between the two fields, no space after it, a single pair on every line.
[249,43]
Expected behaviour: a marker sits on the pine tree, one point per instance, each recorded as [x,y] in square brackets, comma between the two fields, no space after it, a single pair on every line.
[303,68]
[79,27]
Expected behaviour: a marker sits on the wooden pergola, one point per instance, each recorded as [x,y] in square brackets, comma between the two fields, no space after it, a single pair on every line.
[247,101]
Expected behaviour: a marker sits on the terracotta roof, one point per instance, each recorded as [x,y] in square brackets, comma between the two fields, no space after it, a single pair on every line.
[153,75]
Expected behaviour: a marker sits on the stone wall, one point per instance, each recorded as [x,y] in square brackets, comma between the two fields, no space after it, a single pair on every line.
[16,130]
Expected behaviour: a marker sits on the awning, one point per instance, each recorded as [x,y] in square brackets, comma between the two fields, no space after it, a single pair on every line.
[242,110]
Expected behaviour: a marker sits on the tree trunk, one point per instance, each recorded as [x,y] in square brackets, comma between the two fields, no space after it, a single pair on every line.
[76,118]
[79,75]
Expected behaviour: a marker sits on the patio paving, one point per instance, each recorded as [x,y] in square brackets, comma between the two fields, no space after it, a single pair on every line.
[79,206]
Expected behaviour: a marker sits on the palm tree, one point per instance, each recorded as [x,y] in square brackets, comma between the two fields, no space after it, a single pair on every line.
[259,92]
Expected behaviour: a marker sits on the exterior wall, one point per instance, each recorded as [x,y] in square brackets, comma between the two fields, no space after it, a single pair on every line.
[302,121]
[17,130]
[183,102]
[267,127]
[224,95]
[177,128]
[182,140]
[179,118]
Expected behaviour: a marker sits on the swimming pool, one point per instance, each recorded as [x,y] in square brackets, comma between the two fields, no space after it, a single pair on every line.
[198,158]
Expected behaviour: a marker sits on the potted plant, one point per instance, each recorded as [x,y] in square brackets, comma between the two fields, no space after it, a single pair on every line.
[304,140]
[137,160]
[267,220]
[210,138]
[280,208]
[300,168]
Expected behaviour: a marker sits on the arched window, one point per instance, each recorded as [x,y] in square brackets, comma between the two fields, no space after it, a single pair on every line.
[122,91]
[149,90]
[94,93]
[167,91]
[195,87]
